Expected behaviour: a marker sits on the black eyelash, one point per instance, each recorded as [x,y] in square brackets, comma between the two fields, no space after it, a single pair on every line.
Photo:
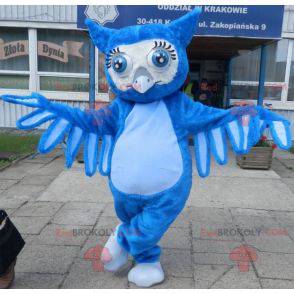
[110,54]
[163,45]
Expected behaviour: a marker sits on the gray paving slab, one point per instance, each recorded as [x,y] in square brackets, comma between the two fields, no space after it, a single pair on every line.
[286,174]
[26,192]
[289,163]
[289,182]
[265,234]
[39,209]
[210,214]
[44,158]
[221,192]
[277,165]
[275,265]
[221,231]
[172,283]
[209,258]
[28,238]
[36,160]
[32,225]
[46,259]
[235,279]
[78,188]
[79,217]
[109,210]
[212,223]
[273,240]
[11,203]
[54,168]
[37,281]
[70,235]
[256,221]
[107,222]
[37,180]
[5,184]
[214,246]
[83,275]
[177,263]
[206,275]
[19,170]
[84,206]
[236,212]
[284,218]
[181,241]
[277,284]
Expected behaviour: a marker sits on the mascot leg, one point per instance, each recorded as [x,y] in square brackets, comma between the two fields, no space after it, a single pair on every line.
[145,220]
[113,255]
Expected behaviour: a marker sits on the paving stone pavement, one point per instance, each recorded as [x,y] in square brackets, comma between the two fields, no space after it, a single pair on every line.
[236,231]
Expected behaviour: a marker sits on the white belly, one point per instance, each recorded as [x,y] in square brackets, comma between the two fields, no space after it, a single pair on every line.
[146,158]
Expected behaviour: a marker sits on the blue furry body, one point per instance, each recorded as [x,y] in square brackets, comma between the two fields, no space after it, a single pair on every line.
[181,140]
[145,218]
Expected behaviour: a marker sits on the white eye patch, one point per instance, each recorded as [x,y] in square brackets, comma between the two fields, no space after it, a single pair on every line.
[159,57]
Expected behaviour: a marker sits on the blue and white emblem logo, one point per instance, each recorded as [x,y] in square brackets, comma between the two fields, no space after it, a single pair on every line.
[102,13]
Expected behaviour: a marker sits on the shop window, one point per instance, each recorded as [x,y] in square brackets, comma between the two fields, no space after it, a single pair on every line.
[102,82]
[249,91]
[276,59]
[63,60]
[14,58]
[246,66]
[245,73]
[244,91]
[9,81]
[64,84]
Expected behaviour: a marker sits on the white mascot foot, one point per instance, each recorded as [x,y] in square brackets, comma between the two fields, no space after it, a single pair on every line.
[146,274]
[113,256]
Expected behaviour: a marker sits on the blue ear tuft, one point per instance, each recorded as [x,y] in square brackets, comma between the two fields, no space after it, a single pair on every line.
[185,27]
[99,34]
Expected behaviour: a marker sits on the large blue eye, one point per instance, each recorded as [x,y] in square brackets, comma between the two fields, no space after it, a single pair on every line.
[119,63]
[160,58]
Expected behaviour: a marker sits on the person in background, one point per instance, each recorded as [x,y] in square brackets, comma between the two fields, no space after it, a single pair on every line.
[11,243]
[212,87]
[204,95]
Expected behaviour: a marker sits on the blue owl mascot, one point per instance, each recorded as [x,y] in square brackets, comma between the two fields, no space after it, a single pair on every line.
[144,133]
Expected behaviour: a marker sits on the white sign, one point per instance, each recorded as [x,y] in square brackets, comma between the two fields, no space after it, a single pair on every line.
[102,13]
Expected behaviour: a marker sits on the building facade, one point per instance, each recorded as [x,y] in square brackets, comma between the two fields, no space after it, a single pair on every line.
[42,49]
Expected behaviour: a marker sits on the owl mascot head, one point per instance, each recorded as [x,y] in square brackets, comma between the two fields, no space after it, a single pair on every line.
[146,63]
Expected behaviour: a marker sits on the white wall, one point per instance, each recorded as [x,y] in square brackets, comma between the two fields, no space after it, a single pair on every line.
[44,13]
[288,22]
[10,113]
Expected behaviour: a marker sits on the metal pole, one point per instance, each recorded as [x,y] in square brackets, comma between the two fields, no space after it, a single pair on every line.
[262,69]
[229,83]
[92,75]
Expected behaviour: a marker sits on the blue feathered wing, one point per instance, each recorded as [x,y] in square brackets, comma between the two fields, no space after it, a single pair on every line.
[75,126]
[243,126]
